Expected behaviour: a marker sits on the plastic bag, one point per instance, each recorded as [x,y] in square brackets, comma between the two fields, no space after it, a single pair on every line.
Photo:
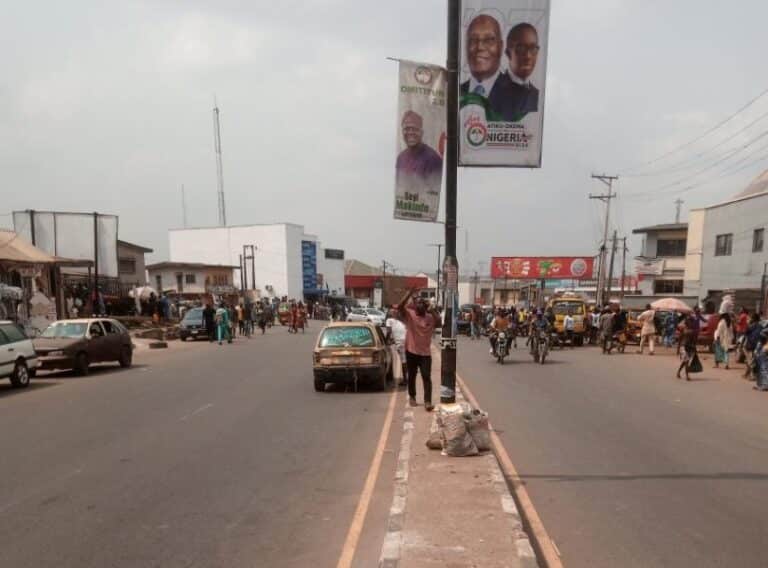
[695,365]
[457,441]
[434,442]
[477,425]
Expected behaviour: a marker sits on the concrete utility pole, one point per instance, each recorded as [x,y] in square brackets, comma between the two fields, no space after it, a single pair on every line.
[219,166]
[606,198]
[451,268]
[678,204]
[610,270]
[623,266]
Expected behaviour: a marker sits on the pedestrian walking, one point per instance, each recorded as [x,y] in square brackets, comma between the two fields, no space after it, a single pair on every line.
[761,360]
[688,345]
[569,324]
[723,339]
[669,325]
[223,322]
[648,330]
[209,317]
[398,332]
[474,324]
[240,319]
[420,321]
[606,327]
[751,343]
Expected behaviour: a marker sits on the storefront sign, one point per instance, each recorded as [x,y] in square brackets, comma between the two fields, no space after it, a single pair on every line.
[542,267]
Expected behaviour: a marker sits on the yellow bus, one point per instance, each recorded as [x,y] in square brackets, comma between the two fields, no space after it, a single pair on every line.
[575,305]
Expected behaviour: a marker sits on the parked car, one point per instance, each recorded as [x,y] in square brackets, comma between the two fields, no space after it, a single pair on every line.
[77,344]
[371,315]
[352,352]
[193,326]
[18,360]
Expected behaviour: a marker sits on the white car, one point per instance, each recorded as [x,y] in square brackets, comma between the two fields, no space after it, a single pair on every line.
[18,360]
[371,315]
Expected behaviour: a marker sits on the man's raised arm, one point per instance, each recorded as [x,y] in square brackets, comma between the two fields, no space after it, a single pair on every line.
[402,303]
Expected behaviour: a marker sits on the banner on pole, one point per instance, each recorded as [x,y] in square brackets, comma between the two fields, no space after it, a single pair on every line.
[420,141]
[502,82]
[542,267]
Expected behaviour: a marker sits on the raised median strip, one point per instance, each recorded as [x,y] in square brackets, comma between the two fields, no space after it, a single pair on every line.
[450,511]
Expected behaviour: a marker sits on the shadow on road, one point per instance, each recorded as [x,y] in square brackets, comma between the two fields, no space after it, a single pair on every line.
[7,390]
[95,371]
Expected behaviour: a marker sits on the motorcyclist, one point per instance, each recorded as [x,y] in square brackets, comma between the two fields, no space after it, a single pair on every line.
[499,323]
[538,324]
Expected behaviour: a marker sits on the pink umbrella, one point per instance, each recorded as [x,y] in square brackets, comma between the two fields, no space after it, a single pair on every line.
[672,305]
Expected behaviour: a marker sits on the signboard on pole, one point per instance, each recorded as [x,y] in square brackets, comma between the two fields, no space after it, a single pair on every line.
[421,120]
[542,267]
[502,82]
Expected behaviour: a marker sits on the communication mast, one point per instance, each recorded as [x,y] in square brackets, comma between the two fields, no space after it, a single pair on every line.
[219,165]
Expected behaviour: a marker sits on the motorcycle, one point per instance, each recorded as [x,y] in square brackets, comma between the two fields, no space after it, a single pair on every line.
[540,347]
[502,347]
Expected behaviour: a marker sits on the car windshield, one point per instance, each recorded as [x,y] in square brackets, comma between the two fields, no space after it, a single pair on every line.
[70,330]
[347,337]
[572,308]
[194,315]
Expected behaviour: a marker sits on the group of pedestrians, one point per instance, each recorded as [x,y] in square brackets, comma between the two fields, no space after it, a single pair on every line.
[225,321]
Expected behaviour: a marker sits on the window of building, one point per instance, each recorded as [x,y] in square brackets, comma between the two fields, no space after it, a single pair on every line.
[127,266]
[757,240]
[670,247]
[190,279]
[668,287]
[724,245]
[159,281]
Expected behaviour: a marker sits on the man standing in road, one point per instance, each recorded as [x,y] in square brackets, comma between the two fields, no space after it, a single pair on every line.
[398,332]
[208,320]
[648,331]
[420,321]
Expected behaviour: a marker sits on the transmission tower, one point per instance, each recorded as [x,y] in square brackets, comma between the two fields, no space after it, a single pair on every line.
[219,165]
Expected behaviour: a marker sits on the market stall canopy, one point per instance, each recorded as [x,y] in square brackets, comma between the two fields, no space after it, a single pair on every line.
[672,305]
[14,248]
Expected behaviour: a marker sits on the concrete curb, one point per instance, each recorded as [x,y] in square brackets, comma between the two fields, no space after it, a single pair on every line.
[393,540]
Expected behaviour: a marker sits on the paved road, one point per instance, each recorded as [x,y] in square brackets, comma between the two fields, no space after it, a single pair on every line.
[628,466]
[203,456]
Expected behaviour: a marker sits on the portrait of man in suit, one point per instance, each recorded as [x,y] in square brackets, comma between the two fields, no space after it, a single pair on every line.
[419,167]
[522,50]
[484,45]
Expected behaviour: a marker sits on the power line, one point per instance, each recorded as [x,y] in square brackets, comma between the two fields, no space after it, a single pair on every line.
[701,136]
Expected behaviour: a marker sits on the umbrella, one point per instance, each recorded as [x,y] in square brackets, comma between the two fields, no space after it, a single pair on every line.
[672,305]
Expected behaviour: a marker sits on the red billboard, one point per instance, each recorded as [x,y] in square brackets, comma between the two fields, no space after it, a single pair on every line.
[542,267]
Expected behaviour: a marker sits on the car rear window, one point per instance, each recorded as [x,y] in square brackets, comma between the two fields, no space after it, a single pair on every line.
[347,337]
[195,314]
[12,332]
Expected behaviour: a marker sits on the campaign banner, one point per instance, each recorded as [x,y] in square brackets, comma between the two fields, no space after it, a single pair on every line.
[502,82]
[420,141]
[542,267]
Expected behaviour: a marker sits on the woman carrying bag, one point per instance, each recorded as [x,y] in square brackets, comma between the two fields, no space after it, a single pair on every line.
[723,340]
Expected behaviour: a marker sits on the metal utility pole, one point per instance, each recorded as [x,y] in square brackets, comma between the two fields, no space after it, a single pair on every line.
[451,265]
[606,198]
[623,266]
[439,247]
[678,203]
[183,207]
[610,269]
[253,266]
[219,166]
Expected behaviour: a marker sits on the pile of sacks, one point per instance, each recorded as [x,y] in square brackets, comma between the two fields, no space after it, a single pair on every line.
[459,430]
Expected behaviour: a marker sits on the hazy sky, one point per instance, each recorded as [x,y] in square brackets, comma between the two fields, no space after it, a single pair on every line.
[106,106]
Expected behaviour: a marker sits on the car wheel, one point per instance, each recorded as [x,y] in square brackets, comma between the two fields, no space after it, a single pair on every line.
[319,385]
[82,364]
[126,357]
[20,375]
[183,337]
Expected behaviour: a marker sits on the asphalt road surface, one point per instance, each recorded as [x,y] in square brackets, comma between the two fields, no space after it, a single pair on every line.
[628,466]
[197,456]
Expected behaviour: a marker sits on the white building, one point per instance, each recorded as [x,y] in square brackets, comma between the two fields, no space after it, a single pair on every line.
[284,261]
[726,247]
[661,264]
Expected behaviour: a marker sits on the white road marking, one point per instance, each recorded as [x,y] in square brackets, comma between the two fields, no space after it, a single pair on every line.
[198,411]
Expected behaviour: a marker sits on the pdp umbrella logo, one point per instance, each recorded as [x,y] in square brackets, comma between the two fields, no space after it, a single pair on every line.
[423,75]
[476,132]
[579,267]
